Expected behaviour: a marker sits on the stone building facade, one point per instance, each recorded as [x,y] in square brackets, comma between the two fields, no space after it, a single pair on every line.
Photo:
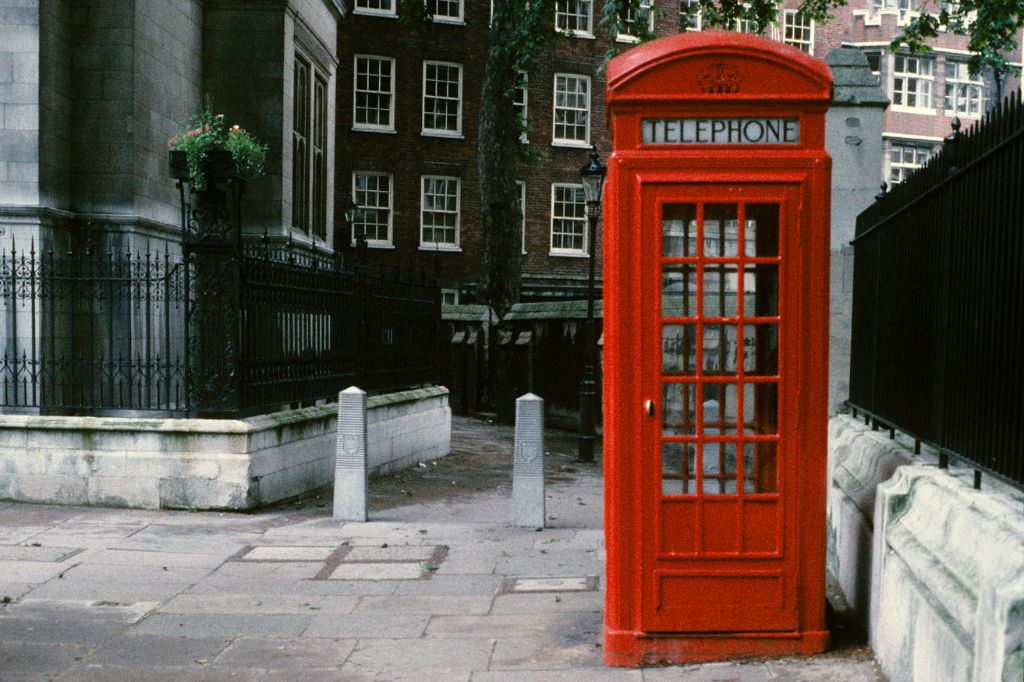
[92,90]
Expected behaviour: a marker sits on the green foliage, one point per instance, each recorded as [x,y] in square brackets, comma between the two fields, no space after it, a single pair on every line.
[207,133]
[990,25]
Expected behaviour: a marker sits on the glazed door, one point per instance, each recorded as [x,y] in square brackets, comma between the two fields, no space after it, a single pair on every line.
[720,538]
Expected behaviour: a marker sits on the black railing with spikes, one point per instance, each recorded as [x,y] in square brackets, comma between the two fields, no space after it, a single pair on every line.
[938,300]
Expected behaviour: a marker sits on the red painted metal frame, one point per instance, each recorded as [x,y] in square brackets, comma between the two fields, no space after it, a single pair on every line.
[660,79]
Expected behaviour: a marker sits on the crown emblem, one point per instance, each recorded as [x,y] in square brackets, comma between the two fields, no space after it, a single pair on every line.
[719,79]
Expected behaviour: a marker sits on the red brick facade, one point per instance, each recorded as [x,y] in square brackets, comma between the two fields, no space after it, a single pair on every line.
[408,154]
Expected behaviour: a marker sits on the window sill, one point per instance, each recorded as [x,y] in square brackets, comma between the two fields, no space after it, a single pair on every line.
[371,13]
[384,246]
[568,254]
[569,144]
[951,114]
[380,131]
[443,134]
[627,39]
[449,21]
[925,111]
[575,34]
[440,248]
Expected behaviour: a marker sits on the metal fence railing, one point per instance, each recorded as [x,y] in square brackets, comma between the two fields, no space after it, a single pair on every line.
[938,300]
[93,333]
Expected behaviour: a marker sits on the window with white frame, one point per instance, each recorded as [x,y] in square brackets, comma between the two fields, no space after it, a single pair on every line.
[798,31]
[373,194]
[904,159]
[439,212]
[309,149]
[689,15]
[575,17]
[445,11]
[521,186]
[631,28]
[385,8]
[373,93]
[520,100]
[442,98]
[572,110]
[568,220]
[450,296]
[912,82]
[963,93]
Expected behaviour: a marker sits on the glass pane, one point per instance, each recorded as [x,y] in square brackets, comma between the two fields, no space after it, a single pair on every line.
[677,469]
[760,467]
[720,285]
[719,345]
[762,230]
[679,349]
[720,408]
[678,409]
[721,226]
[679,291]
[761,349]
[761,290]
[719,467]
[679,231]
[760,408]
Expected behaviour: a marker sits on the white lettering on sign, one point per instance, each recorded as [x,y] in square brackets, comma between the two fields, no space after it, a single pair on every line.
[721,131]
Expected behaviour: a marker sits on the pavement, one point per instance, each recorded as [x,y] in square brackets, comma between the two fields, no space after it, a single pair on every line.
[437,586]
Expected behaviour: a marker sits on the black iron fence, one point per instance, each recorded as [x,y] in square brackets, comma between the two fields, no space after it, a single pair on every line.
[90,332]
[938,301]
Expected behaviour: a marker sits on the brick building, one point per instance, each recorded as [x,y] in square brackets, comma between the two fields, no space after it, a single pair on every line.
[408,101]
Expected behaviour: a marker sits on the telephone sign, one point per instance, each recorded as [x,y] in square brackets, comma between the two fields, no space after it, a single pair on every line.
[716,334]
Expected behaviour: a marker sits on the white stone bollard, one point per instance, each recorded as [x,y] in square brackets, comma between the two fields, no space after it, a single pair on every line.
[528,464]
[350,493]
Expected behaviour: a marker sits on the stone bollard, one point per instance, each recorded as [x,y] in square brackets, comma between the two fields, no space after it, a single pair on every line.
[528,465]
[350,464]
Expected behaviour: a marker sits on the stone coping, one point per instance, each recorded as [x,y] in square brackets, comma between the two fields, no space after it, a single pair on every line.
[229,426]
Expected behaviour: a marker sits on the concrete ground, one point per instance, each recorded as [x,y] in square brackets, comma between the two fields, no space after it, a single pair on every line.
[437,586]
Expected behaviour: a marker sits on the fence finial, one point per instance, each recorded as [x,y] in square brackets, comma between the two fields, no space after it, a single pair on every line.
[881,195]
[955,135]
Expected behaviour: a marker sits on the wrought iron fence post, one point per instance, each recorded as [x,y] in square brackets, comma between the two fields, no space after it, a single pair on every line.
[211,244]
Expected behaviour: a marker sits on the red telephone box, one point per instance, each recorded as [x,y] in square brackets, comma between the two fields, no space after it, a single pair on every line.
[716,347]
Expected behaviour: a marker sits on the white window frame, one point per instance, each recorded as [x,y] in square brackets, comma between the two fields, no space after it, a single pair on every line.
[441,246]
[924,83]
[454,293]
[440,132]
[447,19]
[372,127]
[974,85]
[393,12]
[790,16]
[561,250]
[567,142]
[626,36]
[562,12]
[905,168]
[696,17]
[361,201]
[524,78]
[521,185]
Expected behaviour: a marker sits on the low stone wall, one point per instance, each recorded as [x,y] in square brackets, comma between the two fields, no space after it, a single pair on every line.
[207,463]
[935,567]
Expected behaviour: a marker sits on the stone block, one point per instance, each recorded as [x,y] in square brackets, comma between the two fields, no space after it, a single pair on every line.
[528,463]
[350,489]
[113,491]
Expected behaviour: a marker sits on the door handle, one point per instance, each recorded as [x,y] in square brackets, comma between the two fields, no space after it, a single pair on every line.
[649,407]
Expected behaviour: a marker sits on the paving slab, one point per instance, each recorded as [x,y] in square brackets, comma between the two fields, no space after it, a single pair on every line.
[360,625]
[378,571]
[607,675]
[285,653]
[158,650]
[756,671]
[574,624]
[259,604]
[432,659]
[132,557]
[429,605]
[222,625]
[546,653]
[390,553]
[283,553]
[38,659]
[543,602]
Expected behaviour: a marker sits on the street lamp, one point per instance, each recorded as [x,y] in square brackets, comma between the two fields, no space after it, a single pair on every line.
[592,174]
[350,214]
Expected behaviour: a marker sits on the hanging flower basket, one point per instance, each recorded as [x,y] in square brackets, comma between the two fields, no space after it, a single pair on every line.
[210,152]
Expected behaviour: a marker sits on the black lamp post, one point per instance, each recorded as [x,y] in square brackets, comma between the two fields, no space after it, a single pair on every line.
[350,214]
[592,174]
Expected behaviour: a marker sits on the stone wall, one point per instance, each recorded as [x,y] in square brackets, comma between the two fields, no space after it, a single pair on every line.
[934,566]
[19,103]
[208,464]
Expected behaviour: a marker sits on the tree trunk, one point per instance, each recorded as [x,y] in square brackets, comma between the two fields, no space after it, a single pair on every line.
[497,155]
